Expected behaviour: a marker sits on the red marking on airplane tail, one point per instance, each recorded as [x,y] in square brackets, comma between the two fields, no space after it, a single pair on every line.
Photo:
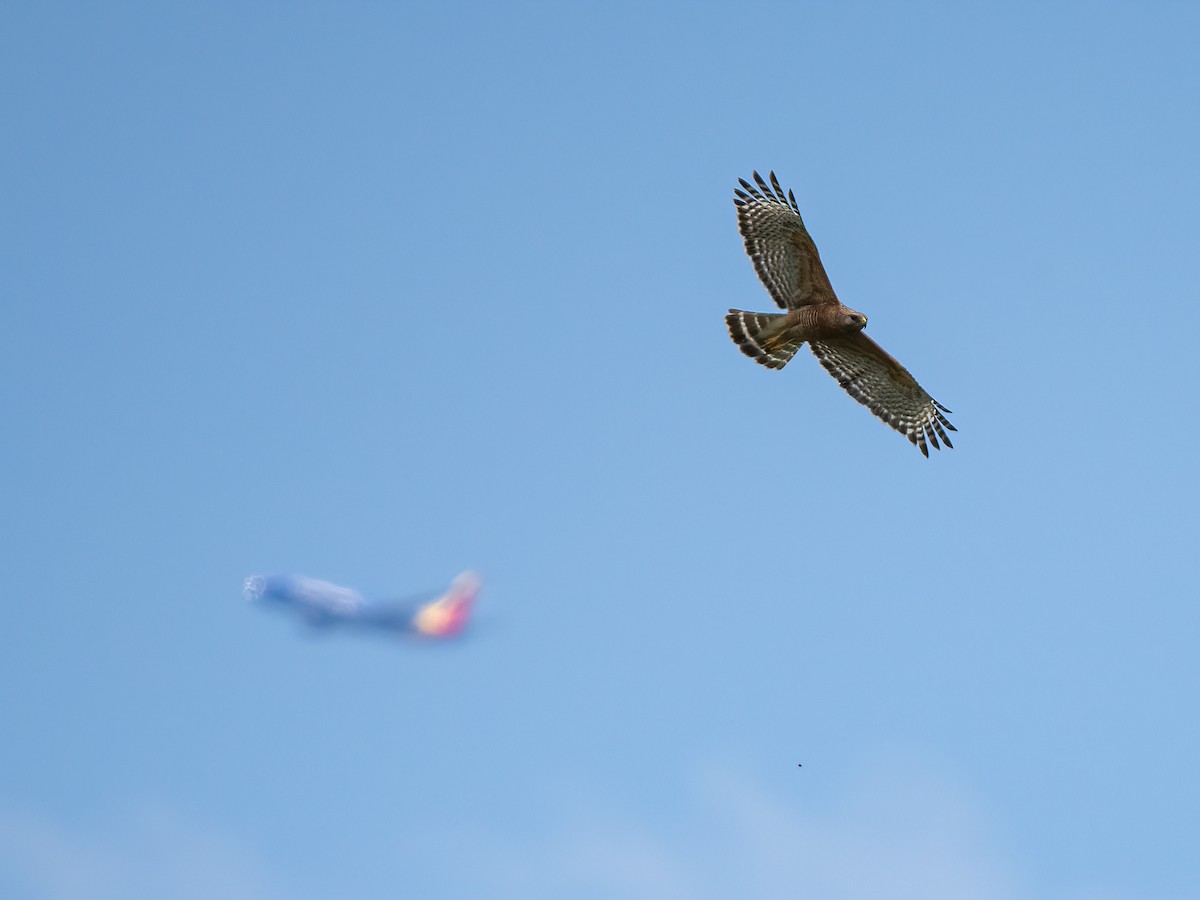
[447,616]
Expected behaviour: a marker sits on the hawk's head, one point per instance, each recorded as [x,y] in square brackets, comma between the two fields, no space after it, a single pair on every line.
[855,321]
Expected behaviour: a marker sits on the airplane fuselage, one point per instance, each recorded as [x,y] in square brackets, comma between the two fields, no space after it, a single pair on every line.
[323,603]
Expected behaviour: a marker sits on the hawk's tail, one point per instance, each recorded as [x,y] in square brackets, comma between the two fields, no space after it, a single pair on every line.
[760,336]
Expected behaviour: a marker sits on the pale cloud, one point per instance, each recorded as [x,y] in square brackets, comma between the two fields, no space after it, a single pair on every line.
[887,837]
[894,831]
[902,836]
[146,852]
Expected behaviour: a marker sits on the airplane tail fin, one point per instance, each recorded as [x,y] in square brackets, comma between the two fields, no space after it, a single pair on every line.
[447,616]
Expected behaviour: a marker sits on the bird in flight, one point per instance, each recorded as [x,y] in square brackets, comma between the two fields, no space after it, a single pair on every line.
[789,266]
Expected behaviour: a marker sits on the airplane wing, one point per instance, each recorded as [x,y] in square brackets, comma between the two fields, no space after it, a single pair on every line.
[316,600]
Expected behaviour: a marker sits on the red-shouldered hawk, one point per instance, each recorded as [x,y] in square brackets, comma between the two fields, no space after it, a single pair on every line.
[788,264]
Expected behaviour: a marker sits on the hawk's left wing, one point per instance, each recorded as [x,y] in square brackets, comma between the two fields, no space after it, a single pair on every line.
[877,381]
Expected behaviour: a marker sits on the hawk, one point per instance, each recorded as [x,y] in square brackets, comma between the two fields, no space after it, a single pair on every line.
[788,265]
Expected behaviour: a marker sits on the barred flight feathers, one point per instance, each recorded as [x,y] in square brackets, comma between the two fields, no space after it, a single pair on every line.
[784,254]
[876,380]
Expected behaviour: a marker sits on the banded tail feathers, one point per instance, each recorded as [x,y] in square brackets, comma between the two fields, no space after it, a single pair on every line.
[761,337]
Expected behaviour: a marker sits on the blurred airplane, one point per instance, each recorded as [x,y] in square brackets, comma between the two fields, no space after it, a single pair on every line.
[323,603]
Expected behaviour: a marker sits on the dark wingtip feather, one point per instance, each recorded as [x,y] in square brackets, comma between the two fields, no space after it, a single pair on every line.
[937,426]
[778,190]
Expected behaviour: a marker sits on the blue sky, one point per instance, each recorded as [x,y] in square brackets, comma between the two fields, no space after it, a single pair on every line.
[377,292]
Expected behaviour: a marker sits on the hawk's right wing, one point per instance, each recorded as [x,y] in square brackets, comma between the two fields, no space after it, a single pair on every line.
[784,255]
